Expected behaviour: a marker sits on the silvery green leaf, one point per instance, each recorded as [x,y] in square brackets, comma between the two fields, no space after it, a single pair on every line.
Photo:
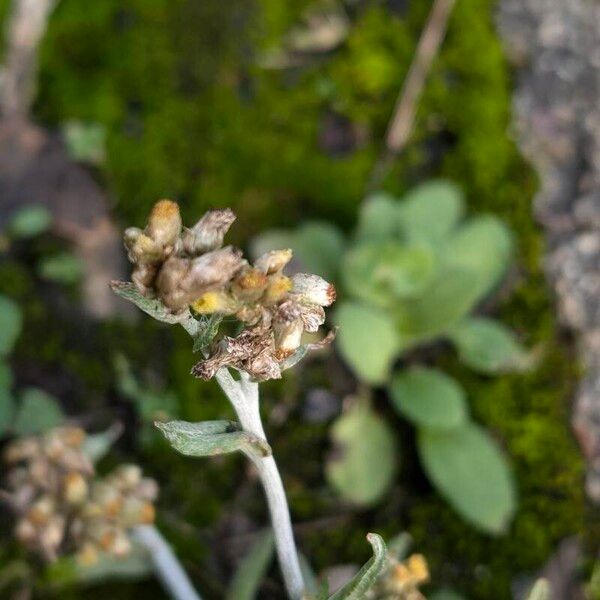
[249,575]
[362,439]
[152,306]
[362,582]
[30,221]
[367,340]
[377,219]
[11,321]
[483,245]
[469,469]
[97,445]
[399,545]
[489,347]
[209,438]
[540,590]
[37,411]
[137,564]
[431,211]
[428,398]
[318,246]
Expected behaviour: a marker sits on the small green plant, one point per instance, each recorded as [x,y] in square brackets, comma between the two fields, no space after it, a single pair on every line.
[412,275]
[246,318]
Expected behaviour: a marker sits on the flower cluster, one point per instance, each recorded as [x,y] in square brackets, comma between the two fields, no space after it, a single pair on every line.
[189,269]
[63,508]
[401,579]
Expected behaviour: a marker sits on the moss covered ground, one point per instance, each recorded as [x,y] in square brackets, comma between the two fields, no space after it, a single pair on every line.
[190,115]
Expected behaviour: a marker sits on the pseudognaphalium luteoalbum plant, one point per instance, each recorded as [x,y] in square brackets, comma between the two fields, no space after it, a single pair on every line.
[185,276]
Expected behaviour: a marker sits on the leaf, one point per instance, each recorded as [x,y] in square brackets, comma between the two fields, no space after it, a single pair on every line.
[30,221]
[318,246]
[483,245]
[364,580]
[250,573]
[489,347]
[540,590]
[431,211]
[362,440]
[382,272]
[85,142]
[377,218]
[37,412]
[61,268]
[470,471]
[7,409]
[97,445]
[210,438]
[367,340]
[429,398]
[152,306]
[10,324]
[453,293]
[207,330]
[137,564]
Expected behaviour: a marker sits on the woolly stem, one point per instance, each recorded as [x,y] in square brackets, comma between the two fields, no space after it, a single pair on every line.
[244,397]
[167,567]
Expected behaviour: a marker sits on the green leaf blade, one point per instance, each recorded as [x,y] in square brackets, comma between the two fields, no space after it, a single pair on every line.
[210,438]
[364,580]
[429,398]
[470,471]
[362,439]
[367,340]
[37,412]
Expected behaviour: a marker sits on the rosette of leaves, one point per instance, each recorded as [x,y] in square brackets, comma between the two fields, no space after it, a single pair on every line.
[412,273]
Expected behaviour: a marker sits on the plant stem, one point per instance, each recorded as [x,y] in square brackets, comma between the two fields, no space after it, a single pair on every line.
[166,565]
[244,397]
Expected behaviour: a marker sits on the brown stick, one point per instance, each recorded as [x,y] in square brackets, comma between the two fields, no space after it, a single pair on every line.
[401,123]
[26,27]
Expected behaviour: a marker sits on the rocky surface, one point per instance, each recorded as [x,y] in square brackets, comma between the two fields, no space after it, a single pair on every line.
[556,49]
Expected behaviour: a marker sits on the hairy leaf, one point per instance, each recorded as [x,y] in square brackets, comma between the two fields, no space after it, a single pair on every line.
[429,398]
[431,211]
[318,246]
[97,445]
[377,219]
[365,579]
[382,272]
[152,306]
[250,573]
[483,245]
[208,327]
[367,340]
[489,347]
[471,472]
[210,438]
[37,412]
[362,440]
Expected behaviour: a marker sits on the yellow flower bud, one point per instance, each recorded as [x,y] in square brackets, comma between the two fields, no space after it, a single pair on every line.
[214,302]
[164,223]
[278,287]
[250,285]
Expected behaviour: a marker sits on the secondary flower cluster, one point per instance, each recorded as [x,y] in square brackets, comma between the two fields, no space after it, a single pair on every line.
[63,508]
[189,268]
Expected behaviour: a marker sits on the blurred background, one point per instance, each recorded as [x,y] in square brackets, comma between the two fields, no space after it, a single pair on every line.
[455,204]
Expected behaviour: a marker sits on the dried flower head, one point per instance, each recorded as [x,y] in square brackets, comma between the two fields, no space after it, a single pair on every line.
[62,507]
[188,269]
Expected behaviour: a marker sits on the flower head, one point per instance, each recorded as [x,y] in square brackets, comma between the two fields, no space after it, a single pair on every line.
[189,269]
[62,507]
